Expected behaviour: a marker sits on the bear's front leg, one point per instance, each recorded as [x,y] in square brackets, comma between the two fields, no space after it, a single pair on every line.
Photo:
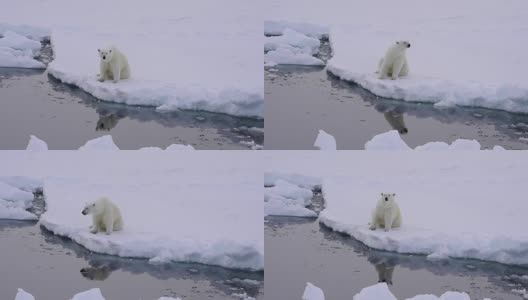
[93,229]
[102,72]
[388,221]
[396,69]
[116,71]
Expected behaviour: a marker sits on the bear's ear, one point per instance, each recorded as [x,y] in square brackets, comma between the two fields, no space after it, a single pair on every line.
[110,50]
[99,50]
[382,194]
[393,194]
[397,42]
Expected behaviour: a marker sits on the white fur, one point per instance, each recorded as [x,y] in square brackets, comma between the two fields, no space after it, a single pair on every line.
[394,64]
[106,216]
[113,65]
[387,213]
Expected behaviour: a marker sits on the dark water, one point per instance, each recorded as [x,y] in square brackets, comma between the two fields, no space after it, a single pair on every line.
[300,100]
[300,250]
[51,268]
[34,103]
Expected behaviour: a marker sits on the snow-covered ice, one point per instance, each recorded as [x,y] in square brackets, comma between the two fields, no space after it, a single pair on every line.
[311,292]
[17,50]
[289,194]
[291,47]
[287,199]
[204,55]
[16,196]
[459,55]
[325,141]
[392,141]
[469,205]
[198,207]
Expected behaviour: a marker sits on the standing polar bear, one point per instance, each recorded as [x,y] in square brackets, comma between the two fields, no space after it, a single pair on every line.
[106,216]
[394,64]
[113,65]
[387,213]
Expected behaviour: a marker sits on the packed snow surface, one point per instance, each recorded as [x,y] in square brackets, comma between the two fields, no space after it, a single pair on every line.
[458,55]
[198,207]
[204,55]
[451,205]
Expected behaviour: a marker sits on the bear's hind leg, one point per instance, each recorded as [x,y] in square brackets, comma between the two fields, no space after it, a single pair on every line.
[108,221]
[125,73]
[116,72]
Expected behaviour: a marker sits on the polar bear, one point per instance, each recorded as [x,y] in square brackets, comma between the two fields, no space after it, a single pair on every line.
[387,213]
[394,64]
[106,216]
[113,65]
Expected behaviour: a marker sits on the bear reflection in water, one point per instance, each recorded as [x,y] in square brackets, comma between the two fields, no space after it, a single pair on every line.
[96,273]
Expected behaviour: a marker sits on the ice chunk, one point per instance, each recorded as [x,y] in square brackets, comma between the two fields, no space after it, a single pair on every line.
[103,143]
[311,292]
[379,291]
[36,144]
[390,140]
[23,295]
[92,294]
[325,141]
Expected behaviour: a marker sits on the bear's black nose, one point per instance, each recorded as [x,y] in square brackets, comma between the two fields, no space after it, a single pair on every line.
[104,57]
[386,198]
[409,46]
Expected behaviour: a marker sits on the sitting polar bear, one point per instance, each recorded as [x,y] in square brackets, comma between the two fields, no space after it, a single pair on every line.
[394,64]
[113,65]
[386,214]
[106,216]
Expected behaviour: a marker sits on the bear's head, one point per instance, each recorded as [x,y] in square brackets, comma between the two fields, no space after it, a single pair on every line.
[388,198]
[106,54]
[90,208]
[403,44]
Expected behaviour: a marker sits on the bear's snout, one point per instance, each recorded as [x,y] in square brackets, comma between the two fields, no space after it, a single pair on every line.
[386,198]
[83,212]
[408,45]
[104,57]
